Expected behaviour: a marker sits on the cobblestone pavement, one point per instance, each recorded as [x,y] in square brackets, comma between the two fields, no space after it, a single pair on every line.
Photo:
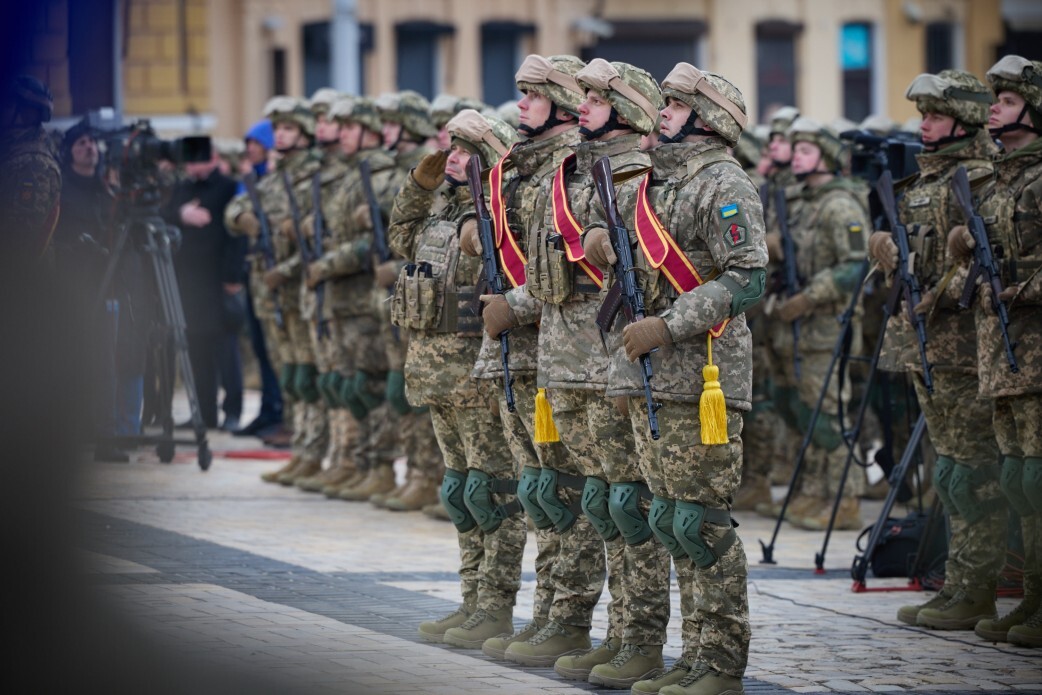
[306,594]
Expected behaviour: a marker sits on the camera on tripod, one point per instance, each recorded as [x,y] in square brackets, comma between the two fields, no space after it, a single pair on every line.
[872,154]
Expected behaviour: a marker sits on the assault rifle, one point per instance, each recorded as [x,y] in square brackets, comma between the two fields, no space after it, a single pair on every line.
[790,272]
[321,324]
[625,294]
[263,242]
[489,268]
[906,279]
[380,246]
[983,262]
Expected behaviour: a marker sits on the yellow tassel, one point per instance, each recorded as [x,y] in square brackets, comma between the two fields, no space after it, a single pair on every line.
[712,410]
[545,429]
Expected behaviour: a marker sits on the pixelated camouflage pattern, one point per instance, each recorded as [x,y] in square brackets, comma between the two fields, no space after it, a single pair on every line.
[560,95]
[334,174]
[715,116]
[1012,212]
[1018,425]
[690,209]
[536,161]
[644,84]
[30,186]
[818,134]
[969,112]
[572,354]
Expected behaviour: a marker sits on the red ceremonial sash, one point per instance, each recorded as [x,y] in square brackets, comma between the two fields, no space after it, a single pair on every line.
[662,250]
[566,225]
[511,259]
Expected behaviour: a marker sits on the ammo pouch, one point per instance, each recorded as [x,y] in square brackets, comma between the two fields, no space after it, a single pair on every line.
[418,298]
[549,275]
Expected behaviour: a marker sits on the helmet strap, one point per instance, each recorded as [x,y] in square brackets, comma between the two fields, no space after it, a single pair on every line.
[687,129]
[611,125]
[552,121]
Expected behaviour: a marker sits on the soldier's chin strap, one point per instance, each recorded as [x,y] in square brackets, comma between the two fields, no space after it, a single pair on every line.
[947,139]
[610,126]
[453,183]
[1016,125]
[551,121]
[688,128]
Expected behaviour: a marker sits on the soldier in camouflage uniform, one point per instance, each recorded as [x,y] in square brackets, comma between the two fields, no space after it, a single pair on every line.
[622,103]
[954,105]
[294,129]
[346,267]
[829,226]
[30,178]
[700,215]
[443,108]
[407,122]
[551,495]
[436,301]
[343,429]
[1012,210]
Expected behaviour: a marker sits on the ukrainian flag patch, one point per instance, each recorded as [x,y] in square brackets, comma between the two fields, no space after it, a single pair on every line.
[729,210]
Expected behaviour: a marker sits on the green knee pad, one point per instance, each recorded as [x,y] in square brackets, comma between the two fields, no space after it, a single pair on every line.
[451,494]
[528,496]
[364,394]
[595,507]
[478,498]
[350,400]
[1033,481]
[287,381]
[826,433]
[624,507]
[304,383]
[942,480]
[660,518]
[1012,483]
[334,383]
[322,382]
[395,392]
[687,526]
[562,515]
[962,488]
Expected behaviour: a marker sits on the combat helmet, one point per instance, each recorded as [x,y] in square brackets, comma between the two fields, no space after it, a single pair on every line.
[711,97]
[359,110]
[633,93]
[322,100]
[28,92]
[293,110]
[1023,77]
[410,109]
[553,78]
[954,93]
[508,112]
[749,149]
[781,120]
[805,129]
[491,136]
[445,106]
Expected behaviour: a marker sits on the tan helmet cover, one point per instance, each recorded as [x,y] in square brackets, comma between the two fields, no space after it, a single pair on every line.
[293,110]
[322,99]
[809,130]
[359,110]
[1021,76]
[492,136]
[718,102]
[954,93]
[554,78]
[633,92]
[782,119]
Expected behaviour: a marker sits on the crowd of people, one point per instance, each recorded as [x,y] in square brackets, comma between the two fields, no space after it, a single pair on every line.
[599,337]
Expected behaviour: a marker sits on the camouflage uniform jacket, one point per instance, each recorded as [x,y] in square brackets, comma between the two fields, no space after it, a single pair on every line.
[275,204]
[438,362]
[1012,212]
[31,182]
[572,354]
[692,186]
[527,199]
[829,236]
[928,209]
[347,265]
[332,175]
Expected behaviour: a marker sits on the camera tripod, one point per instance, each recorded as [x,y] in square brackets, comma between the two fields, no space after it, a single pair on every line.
[149,231]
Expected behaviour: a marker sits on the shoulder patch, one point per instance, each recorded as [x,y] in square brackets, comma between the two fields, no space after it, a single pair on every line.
[855,228]
[729,210]
[735,234]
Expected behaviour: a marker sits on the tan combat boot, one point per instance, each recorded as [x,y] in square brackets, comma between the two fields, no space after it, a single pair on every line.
[1028,633]
[633,663]
[434,630]
[315,483]
[962,612]
[273,476]
[352,477]
[305,469]
[552,642]
[577,667]
[848,516]
[997,630]
[676,673]
[437,511]
[480,626]
[422,493]
[379,479]
[495,646]
[704,681]
[909,615]
[753,491]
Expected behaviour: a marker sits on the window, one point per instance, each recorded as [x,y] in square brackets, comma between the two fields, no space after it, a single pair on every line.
[278,71]
[776,65]
[655,46]
[418,55]
[500,58]
[90,54]
[855,52]
[940,46]
[317,57]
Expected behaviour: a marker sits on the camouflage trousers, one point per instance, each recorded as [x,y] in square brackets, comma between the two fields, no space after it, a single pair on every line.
[359,348]
[600,439]
[761,431]
[1018,431]
[954,414]
[680,468]
[519,430]
[420,446]
[343,429]
[490,563]
[826,454]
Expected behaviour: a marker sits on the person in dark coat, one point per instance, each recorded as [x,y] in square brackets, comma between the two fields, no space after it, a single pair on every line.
[208,267]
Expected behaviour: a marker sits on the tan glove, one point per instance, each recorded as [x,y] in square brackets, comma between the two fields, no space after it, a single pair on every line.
[1008,293]
[286,229]
[882,248]
[795,307]
[775,251]
[961,243]
[307,227]
[430,172]
[361,219]
[273,279]
[622,404]
[645,335]
[469,241]
[597,247]
[925,303]
[315,275]
[386,273]
[248,223]
[497,314]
